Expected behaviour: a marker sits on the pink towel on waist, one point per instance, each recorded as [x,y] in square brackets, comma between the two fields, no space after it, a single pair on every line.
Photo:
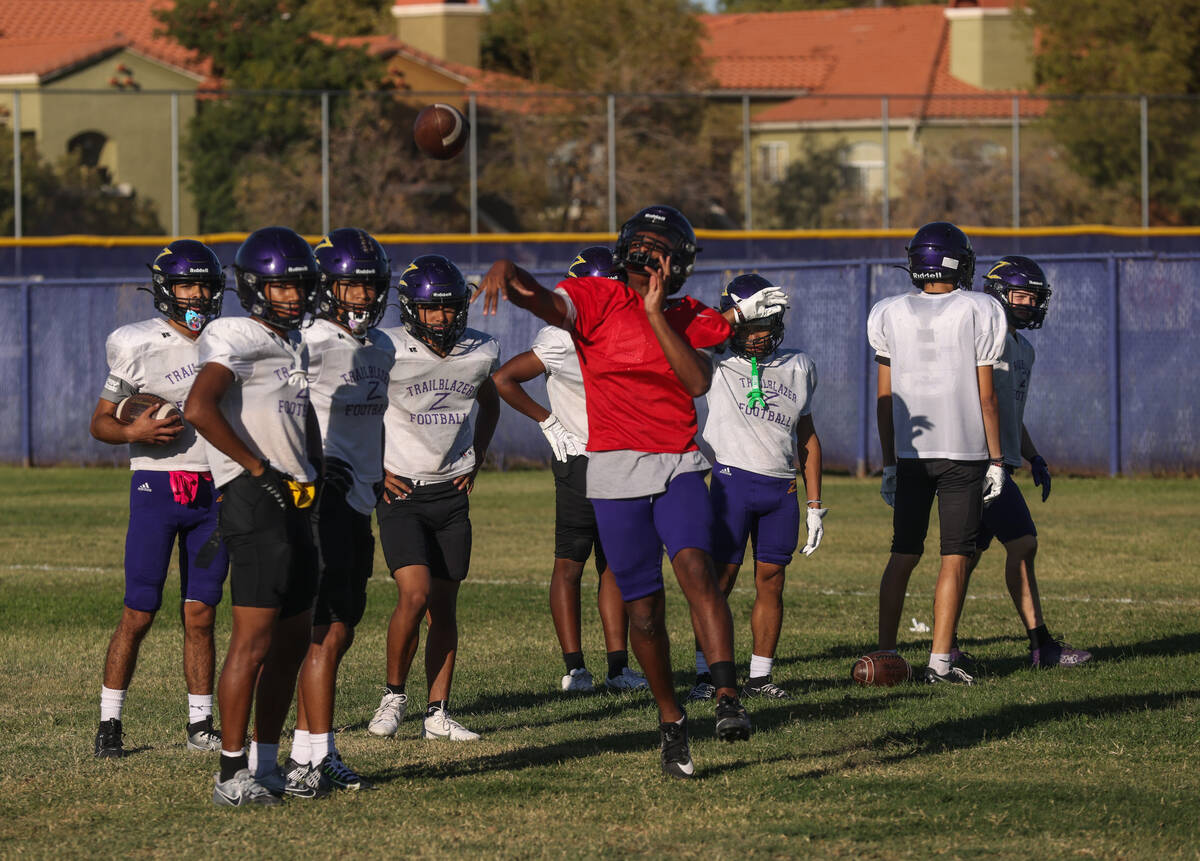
[185,484]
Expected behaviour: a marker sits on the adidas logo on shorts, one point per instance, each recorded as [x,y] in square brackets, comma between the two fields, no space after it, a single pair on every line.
[145,487]
[725,471]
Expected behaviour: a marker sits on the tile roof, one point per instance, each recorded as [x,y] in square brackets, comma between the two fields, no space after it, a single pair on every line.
[848,53]
[46,36]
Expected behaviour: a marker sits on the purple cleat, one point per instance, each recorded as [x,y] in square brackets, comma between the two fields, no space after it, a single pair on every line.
[1056,653]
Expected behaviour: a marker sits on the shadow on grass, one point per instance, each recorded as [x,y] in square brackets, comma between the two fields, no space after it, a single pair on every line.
[967,732]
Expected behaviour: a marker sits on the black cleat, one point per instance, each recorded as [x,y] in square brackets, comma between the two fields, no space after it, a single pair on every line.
[733,722]
[765,688]
[108,739]
[673,746]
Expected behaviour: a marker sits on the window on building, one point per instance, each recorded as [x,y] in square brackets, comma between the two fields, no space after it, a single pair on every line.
[772,161]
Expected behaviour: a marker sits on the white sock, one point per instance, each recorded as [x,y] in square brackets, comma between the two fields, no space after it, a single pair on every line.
[701,664]
[939,662]
[301,746]
[760,666]
[111,703]
[263,758]
[321,744]
[199,707]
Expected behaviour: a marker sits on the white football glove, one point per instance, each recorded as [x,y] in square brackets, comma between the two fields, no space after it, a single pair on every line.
[993,482]
[764,303]
[812,519]
[563,443]
[887,487]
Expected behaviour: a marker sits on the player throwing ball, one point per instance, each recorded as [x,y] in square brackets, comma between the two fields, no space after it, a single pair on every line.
[1020,286]
[348,367]
[565,428]
[434,445]
[171,494]
[643,362]
[759,427]
[939,427]
[251,402]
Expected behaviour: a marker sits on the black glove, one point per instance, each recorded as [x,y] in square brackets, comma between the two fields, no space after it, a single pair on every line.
[1041,475]
[274,484]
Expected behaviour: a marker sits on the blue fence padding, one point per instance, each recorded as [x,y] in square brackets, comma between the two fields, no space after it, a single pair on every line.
[1103,399]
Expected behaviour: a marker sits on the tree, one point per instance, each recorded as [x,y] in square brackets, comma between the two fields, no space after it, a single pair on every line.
[818,190]
[1112,47]
[796,5]
[549,153]
[257,45]
[68,197]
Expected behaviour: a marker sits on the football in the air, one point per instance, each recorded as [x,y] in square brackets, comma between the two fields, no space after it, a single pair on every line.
[882,669]
[441,131]
[133,406]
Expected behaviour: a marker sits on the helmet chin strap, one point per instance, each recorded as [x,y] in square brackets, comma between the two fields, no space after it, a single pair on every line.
[755,398]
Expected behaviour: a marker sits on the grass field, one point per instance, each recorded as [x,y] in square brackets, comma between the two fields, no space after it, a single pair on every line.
[1099,761]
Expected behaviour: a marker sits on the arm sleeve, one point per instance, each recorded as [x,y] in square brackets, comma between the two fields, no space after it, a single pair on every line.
[876,335]
[991,329]
[552,346]
[215,346]
[706,327]
[587,302]
[124,371]
[808,371]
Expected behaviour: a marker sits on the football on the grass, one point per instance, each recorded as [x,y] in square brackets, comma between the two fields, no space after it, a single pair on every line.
[133,406]
[882,669]
[441,131]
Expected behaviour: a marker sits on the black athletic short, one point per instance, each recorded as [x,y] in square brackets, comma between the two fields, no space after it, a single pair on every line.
[272,560]
[1006,517]
[347,554]
[958,485]
[575,530]
[432,528]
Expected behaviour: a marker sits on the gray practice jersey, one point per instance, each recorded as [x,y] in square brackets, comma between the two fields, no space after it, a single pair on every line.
[763,439]
[267,404]
[1011,379]
[348,382]
[154,357]
[934,342]
[429,426]
[564,380]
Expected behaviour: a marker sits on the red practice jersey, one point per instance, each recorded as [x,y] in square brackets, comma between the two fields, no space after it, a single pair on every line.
[634,400]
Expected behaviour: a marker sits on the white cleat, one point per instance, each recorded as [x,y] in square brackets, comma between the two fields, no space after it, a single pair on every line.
[628,680]
[578,681]
[441,725]
[389,714]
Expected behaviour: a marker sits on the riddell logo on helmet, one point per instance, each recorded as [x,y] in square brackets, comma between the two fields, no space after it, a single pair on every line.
[364,271]
[197,270]
[655,216]
[297,269]
[926,276]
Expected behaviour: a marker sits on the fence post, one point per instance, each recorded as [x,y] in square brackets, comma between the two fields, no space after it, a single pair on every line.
[1114,367]
[473,166]
[26,383]
[1145,147]
[17,227]
[747,168]
[887,181]
[324,163]
[1016,161]
[174,164]
[864,373]
[612,163]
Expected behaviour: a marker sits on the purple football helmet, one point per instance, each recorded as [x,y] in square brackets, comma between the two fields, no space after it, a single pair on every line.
[1019,273]
[350,255]
[433,281]
[275,255]
[939,251]
[595,261]
[674,237]
[741,288]
[186,261]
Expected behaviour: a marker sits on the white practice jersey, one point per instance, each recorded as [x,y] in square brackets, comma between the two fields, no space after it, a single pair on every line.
[348,383]
[429,426]
[934,342]
[564,380]
[154,357]
[763,439]
[1011,380]
[267,403]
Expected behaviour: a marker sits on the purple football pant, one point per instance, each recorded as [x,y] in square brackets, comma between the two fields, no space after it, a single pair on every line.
[759,507]
[633,532]
[156,520]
